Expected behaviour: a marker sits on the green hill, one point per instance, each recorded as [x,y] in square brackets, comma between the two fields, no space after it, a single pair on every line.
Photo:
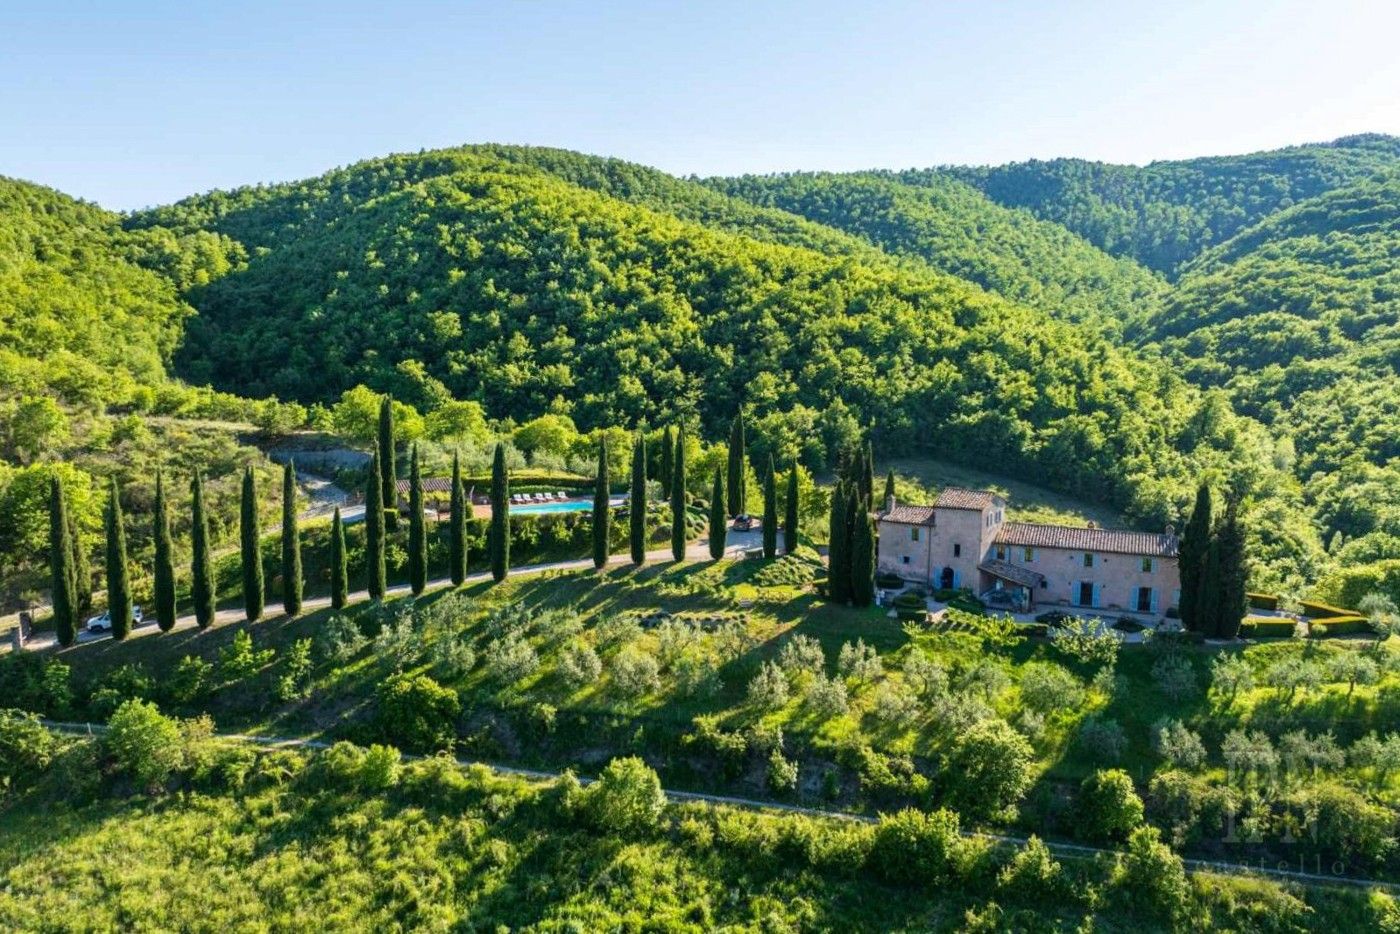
[1166,213]
[956,229]
[1299,317]
[466,274]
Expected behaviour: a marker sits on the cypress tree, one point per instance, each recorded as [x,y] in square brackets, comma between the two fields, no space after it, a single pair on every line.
[889,488]
[291,543]
[65,600]
[202,565]
[340,577]
[1191,556]
[862,553]
[118,575]
[637,502]
[1208,597]
[867,476]
[738,482]
[602,516]
[388,470]
[718,521]
[500,515]
[678,483]
[374,531]
[417,530]
[838,563]
[668,449]
[770,511]
[790,516]
[82,569]
[250,537]
[457,534]
[1234,573]
[165,562]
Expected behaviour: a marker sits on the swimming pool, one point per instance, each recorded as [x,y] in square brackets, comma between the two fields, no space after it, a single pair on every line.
[568,505]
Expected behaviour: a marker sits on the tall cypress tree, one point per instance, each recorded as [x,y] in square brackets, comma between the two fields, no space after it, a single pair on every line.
[718,521]
[250,538]
[889,488]
[637,502]
[202,585]
[457,534]
[1234,573]
[602,516]
[1191,556]
[1209,592]
[82,568]
[340,576]
[867,476]
[374,531]
[790,514]
[838,562]
[291,543]
[738,481]
[770,511]
[500,515]
[65,600]
[678,499]
[417,530]
[165,561]
[388,469]
[668,450]
[118,574]
[862,552]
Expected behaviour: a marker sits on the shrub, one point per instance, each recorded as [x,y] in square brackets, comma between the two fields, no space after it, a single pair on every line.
[859,662]
[634,671]
[380,769]
[1178,744]
[730,748]
[452,657]
[1033,875]
[674,639]
[618,629]
[802,654]
[295,680]
[1175,677]
[894,706]
[354,768]
[626,799]
[1189,806]
[1152,877]
[924,674]
[913,847]
[26,748]
[990,768]
[769,689]
[190,679]
[826,698]
[510,660]
[121,684]
[697,675]
[579,665]
[29,681]
[1267,627]
[416,712]
[144,742]
[1103,738]
[782,774]
[1047,687]
[339,640]
[238,660]
[1109,807]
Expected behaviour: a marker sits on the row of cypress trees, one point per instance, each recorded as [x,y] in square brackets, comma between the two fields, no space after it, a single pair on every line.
[851,558]
[1214,571]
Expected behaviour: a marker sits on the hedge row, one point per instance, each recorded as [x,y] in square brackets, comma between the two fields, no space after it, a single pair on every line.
[1267,627]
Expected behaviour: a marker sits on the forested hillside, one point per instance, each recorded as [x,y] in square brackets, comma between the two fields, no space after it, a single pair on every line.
[1166,213]
[955,228]
[500,282]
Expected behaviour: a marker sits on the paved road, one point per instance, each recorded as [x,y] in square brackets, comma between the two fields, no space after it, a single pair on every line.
[735,542]
[1059,849]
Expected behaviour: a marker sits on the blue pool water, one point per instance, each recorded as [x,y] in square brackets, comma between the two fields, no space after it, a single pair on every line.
[568,505]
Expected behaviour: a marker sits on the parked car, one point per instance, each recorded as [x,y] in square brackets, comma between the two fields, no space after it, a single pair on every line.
[743,523]
[103,622]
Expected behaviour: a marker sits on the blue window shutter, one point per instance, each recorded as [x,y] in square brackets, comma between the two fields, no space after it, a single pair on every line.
[1153,604]
[1098,588]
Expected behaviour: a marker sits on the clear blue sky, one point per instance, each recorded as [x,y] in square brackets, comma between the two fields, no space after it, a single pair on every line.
[136,103]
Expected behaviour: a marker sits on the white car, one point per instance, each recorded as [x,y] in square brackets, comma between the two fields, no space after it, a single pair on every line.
[103,623]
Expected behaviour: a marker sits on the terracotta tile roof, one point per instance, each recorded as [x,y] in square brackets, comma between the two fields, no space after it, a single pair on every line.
[1074,538]
[430,485]
[908,515]
[1010,572]
[956,497]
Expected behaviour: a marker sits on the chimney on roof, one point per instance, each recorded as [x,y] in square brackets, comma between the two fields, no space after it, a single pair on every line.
[889,503]
[1171,529]
[1092,524]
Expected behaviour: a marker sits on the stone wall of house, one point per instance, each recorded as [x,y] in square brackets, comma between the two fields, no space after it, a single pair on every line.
[1115,578]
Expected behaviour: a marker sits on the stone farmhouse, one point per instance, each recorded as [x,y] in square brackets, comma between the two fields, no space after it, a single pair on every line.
[963,541]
